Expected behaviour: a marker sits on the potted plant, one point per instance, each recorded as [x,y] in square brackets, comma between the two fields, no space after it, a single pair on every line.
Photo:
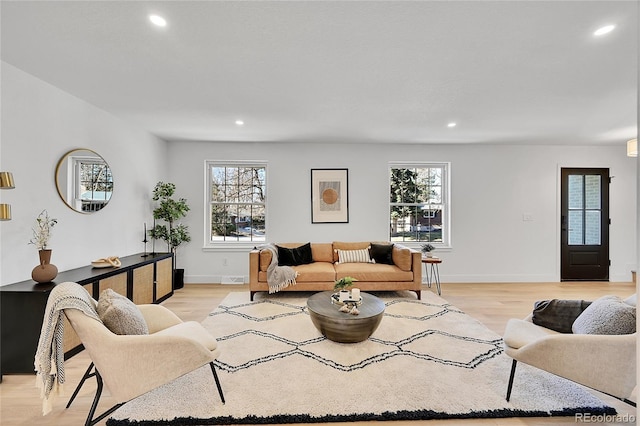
[342,286]
[427,249]
[45,271]
[170,210]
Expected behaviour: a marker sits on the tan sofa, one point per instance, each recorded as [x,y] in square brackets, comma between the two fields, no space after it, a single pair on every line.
[321,274]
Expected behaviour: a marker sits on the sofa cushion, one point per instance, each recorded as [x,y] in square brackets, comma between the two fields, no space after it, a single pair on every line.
[558,314]
[372,272]
[401,257]
[119,314]
[606,315]
[382,253]
[316,271]
[341,245]
[353,256]
[295,256]
[322,252]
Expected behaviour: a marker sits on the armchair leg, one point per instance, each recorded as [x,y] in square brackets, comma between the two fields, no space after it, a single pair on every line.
[87,374]
[513,372]
[215,376]
[90,420]
[96,398]
[628,401]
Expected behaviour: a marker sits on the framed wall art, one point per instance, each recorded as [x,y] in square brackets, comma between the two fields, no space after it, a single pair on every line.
[329,195]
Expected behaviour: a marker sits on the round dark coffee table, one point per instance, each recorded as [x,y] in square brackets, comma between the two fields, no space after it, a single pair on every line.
[342,326]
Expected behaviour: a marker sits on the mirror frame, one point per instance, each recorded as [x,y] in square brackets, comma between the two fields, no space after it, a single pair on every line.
[64,178]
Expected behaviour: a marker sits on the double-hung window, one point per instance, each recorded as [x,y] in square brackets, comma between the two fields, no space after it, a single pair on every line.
[236,204]
[419,203]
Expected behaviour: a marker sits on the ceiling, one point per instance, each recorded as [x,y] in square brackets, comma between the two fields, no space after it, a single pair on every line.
[522,72]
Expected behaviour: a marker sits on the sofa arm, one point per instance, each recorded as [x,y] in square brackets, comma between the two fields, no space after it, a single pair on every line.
[416,266]
[254,267]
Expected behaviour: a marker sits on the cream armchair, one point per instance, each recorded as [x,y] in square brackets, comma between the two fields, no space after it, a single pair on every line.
[131,365]
[606,363]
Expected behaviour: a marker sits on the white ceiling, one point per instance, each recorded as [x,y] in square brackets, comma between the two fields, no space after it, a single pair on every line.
[342,71]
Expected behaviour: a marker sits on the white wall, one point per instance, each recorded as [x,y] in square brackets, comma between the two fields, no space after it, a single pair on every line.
[492,187]
[40,123]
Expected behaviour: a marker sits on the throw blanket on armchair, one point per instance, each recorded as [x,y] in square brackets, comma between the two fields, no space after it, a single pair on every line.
[49,358]
[278,277]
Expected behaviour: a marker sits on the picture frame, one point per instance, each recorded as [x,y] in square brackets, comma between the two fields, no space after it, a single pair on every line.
[329,195]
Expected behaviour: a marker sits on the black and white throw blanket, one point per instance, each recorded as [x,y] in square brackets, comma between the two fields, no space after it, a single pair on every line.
[278,277]
[49,357]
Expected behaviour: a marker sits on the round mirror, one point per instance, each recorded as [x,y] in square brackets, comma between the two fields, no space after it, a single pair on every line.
[84,180]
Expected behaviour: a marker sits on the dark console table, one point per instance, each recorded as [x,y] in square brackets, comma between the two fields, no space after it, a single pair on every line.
[142,279]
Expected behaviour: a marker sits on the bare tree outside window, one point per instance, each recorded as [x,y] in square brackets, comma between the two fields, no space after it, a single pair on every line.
[237,202]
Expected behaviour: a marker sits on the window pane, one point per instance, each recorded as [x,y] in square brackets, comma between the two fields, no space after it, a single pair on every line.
[592,227]
[220,221]
[592,192]
[576,192]
[575,227]
[435,175]
[435,195]
[422,185]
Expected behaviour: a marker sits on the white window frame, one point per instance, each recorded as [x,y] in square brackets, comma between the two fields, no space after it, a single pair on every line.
[446,200]
[74,182]
[240,246]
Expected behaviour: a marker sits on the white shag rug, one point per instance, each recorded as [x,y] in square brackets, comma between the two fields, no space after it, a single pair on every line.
[426,360]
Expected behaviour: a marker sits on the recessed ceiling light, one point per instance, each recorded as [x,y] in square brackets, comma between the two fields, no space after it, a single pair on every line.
[452,124]
[239,123]
[158,20]
[604,30]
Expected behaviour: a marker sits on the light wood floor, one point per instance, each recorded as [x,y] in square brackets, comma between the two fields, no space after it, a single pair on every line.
[492,304]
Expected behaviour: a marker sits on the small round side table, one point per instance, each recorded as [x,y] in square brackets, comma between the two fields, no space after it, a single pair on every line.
[432,272]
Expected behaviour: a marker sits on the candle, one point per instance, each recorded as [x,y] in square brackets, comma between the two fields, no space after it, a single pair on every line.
[355,293]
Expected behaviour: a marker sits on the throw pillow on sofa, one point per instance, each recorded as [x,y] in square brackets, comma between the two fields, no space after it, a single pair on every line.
[120,315]
[295,256]
[558,314]
[606,315]
[353,256]
[381,253]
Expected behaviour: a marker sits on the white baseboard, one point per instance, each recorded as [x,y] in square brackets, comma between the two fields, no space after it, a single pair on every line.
[215,279]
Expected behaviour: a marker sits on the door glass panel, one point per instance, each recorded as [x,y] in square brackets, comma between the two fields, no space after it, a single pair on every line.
[592,192]
[584,209]
[575,227]
[576,191]
[592,227]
